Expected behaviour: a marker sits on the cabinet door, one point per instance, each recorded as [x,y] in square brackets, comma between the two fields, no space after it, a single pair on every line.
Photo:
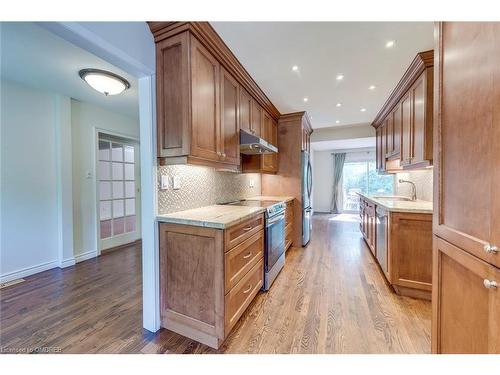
[406,141]
[383,145]
[269,160]
[257,117]
[172,100]
[245,110]
[230,130]
[418,98]
[205,83]
[389,136]
[396,128]
[466,313]
[378,148]
[467,132]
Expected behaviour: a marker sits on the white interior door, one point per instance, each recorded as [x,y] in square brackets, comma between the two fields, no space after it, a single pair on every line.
[118,191]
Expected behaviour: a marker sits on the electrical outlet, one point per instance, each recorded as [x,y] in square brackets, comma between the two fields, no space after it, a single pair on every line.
[176,182]
[251,184]
[164,182]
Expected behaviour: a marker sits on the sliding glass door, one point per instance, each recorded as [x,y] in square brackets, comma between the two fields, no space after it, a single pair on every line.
[362,177]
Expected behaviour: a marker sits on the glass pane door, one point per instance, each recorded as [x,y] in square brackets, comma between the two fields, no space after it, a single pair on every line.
[362,177]
[117,189]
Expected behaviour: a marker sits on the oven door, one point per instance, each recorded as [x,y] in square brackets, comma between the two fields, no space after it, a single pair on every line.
[275,240]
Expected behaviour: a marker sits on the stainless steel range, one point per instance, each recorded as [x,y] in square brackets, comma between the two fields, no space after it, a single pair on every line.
[274,251]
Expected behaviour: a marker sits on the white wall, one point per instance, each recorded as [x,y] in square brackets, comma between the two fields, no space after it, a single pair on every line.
[85,119]
[322,181]
[29,239]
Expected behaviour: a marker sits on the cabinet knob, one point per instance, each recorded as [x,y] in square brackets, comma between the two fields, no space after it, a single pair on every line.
[218,153]
[490,249]
[490,284]
[224,155]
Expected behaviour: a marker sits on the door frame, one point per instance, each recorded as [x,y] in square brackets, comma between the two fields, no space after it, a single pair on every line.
[136,142]
[93,42]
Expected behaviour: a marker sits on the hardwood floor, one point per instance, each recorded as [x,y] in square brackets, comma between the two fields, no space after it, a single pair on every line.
[330,298]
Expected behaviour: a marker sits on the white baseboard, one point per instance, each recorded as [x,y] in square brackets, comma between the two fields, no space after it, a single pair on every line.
[28,271]
[86,255]
[67,262]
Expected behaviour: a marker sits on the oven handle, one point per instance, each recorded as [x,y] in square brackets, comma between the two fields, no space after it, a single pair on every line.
[274,220]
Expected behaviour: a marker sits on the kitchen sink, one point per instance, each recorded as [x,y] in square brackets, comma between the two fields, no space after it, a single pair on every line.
[393,198]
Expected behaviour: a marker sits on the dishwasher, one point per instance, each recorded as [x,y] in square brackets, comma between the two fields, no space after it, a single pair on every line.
[382,237]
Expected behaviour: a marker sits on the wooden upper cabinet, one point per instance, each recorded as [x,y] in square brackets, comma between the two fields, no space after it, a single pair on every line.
[205,84]
[378,139]
[204,96]
[467,157]
[230,130]
[256,118]
[396,129]
[406,129]
[408,116]
[245,110]
[467,317]
[270,161]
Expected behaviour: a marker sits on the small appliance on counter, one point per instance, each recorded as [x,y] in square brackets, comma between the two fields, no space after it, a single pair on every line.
[274,236]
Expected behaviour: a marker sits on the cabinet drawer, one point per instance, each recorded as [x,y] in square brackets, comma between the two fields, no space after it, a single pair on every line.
[240,232]
[240,259]
[238,299]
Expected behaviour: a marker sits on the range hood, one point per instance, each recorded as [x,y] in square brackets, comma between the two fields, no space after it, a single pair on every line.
[251,144]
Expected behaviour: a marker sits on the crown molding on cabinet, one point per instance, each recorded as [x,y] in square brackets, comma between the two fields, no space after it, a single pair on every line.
[206,34]
[422,61]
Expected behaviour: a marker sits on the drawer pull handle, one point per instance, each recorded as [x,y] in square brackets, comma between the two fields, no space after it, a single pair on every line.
[248,290]
[247,255]
[490,249]
[246,229]
[490,284]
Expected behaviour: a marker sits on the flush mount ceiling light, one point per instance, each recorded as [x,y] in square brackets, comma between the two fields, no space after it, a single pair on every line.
[103,81]
[295,68]
[337,121]
[363,109]
[339,77]
[390,44]
[306,99]
[372,87]
[339,105]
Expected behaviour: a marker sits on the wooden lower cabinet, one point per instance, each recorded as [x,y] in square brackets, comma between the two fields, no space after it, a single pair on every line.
[208,277]
[402,248]
[466,303]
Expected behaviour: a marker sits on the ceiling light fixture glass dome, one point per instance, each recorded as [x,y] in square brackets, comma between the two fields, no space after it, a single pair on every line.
[105,82]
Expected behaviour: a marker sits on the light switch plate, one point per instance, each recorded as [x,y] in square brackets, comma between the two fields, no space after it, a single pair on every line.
[251,184]
[164,182]
[176,182]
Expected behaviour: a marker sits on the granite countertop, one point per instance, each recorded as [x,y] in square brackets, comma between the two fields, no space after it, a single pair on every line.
[418,206]
[216,216]
[277,198]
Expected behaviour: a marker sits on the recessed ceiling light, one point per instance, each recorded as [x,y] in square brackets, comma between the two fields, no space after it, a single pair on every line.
[337,122]
[390,44]
[339,77]
[105,82]
[295,68]
[363,109]
[372,87]
[306,99]
[338,105]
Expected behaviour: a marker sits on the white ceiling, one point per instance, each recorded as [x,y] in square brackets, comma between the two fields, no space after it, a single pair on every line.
[344,144]
[321,50]
[38,58]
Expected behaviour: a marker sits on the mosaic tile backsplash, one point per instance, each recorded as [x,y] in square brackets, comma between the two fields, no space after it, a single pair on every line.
[422,180]
[203,186]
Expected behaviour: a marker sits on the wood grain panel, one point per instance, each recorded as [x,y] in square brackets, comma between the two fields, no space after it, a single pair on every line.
[205,85]
[240,232]
[256,117]
[466,199]
[406,129]
[230,129]
[245,110]
[173,105]
[466,318]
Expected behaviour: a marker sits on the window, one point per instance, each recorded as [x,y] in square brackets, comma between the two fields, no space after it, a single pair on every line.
[362,177]
[116,188]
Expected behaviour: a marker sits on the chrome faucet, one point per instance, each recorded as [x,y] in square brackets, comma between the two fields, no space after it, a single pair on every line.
[413,189]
